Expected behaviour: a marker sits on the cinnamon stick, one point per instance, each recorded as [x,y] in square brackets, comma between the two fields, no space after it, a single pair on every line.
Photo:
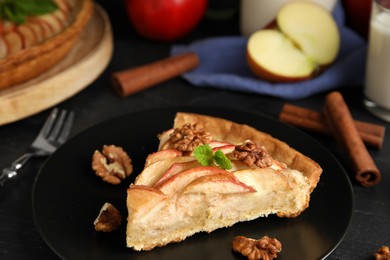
[129,81]
[371,134]
[344,130]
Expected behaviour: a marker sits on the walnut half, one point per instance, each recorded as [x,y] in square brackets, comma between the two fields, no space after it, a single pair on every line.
[188,137]
[251,154]
[265,248]
[112,164]
[109,218]
[383,253]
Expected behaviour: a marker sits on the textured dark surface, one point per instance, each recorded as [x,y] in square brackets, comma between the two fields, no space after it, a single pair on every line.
[19,239]
[314,234]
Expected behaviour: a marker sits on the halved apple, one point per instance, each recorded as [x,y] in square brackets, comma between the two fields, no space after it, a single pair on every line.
[306,39]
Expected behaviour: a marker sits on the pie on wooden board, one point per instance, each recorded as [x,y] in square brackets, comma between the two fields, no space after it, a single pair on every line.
[31,48]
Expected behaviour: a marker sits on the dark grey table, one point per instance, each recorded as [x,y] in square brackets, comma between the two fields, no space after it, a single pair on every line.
[19,239]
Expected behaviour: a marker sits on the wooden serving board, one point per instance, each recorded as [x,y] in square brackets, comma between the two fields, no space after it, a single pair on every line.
[82,65]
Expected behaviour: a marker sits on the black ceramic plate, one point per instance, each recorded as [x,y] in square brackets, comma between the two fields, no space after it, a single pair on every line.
[67,195]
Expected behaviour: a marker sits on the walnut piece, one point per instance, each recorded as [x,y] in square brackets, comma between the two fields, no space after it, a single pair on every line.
[265,248]
[187,138]
[109,218]
[383,253]
[112,164]
[250,154]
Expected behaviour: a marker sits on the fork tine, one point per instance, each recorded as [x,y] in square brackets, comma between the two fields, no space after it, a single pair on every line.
[41,146]
[57,126]
[45,130]
[66,128]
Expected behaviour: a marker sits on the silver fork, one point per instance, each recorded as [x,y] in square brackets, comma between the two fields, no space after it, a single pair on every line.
[53,134]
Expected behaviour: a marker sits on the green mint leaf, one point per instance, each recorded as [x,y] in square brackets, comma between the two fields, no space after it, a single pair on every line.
[13,14]
[204,154]
[17,10]
[221,159]
[36,7]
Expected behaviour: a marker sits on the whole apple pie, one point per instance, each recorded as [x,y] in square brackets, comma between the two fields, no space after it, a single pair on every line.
[210,173]
[32,44]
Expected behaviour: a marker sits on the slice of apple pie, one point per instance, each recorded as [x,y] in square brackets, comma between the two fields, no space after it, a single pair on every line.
[210,173]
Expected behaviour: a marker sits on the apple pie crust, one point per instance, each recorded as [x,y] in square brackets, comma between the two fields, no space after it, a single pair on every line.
[30,62]
[175,197]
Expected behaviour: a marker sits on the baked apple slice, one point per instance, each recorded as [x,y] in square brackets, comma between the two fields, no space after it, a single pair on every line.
[161,155]
[176,183]
[221,183]
[175,169]
[153,172]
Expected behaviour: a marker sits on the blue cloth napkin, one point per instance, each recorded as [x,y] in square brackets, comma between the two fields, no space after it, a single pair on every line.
[223,65]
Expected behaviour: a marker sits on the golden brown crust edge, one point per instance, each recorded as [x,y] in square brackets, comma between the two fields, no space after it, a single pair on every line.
[226,130]
[31,62]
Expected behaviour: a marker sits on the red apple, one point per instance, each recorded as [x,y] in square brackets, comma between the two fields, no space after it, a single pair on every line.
[165,20]
[306,39]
